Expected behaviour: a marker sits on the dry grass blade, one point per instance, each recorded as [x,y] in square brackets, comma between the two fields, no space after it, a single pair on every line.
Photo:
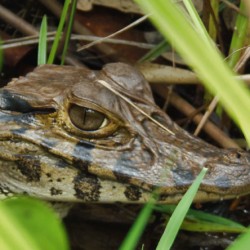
[107,85]
[141,19]
[17,22]
[186,108]
[243,59]
[34,40]
[205,117]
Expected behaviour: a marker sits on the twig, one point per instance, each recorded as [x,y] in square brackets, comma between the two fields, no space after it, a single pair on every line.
[17,22]
[141,19]
[34,40]
[207,114]
[215,100]
[231,5]
[108,86]
[213,131]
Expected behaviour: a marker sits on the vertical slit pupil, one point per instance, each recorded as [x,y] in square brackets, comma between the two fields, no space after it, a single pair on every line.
[85,118]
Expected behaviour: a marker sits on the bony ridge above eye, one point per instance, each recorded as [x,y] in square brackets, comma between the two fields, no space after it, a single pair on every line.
[87,119]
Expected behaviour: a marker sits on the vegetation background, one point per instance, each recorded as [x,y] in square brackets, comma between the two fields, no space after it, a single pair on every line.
[215,47]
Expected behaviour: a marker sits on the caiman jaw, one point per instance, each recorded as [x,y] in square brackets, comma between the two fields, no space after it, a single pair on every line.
[63,142]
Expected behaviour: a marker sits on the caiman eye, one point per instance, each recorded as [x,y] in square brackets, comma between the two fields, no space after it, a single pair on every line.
[87,119]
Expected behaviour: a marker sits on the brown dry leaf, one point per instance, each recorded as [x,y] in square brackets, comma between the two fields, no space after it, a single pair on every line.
[13,56]
[122,5]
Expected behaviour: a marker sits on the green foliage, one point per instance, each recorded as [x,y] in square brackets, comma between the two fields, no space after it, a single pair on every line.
[193,44]
[174,224]
[239,37]
[42,45]
[241,242]
[69,30]
[34,226]
[204,58]
[155,52]
[30,224]
[199,221]
[54,48]
[179,214]
[137,229]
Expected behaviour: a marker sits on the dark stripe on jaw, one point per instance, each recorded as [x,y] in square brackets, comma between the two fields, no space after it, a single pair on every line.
[132,193]
[19,131]
[87,187]
[48,143]
[223,182]
[30,168]
[82,156]
[182,176]
[54,191]
[13,102]
[121,167]
[23,119]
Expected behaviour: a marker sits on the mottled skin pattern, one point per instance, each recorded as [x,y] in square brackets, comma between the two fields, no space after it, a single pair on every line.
[44,152]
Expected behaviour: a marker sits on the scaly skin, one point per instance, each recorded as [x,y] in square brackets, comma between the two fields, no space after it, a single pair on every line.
[48,150]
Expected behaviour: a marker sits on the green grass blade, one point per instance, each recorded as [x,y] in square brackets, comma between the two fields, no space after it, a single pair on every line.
[9,230]
[211,223]
[69,30]
[155,52]
[42,45]
[30,224]
[52,54]
[199,26]
[238,41]
[199,221]
[204,59]
[179,214]
[212,24]
[242,242]
[137,229]
[239,37]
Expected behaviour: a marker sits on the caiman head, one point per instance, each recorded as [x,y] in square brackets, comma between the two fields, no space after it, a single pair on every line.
[66,137]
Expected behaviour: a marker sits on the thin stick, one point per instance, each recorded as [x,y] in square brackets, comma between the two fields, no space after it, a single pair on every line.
[115,33]
[34,40]
[210,128]
[107,85]
[12,19]
[215,100]
[205,117]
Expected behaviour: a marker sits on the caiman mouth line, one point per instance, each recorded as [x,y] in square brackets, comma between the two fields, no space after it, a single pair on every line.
[66,137]
[31,157]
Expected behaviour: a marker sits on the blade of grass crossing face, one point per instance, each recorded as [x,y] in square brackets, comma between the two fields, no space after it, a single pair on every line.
[52,54]
[179,214]
[42,45]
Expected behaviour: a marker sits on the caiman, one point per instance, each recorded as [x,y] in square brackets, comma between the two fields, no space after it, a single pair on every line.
[66,137]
